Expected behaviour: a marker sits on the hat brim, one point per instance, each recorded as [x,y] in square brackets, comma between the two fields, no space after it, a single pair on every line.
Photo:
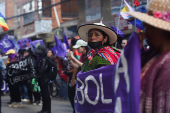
[84,29]
[76,46]
[151,20]
[9,53]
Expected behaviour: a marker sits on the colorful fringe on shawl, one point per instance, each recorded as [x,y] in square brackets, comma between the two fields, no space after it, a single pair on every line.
[109,53]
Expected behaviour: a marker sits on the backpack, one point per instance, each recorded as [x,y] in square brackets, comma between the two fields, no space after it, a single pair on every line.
[52,70]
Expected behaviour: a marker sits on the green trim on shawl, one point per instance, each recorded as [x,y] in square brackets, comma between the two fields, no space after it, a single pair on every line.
[97,63]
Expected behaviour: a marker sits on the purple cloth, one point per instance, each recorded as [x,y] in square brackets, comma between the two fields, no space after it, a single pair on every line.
[65,40]
[24,43]
[139,23]
[59,49]
[6,44]
[36,43]
[113,88]
[11,56]
[119,32]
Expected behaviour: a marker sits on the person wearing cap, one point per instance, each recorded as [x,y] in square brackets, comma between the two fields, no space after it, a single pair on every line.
[99,38]
[14,91]
[42,78]
[155,87]
[82,47]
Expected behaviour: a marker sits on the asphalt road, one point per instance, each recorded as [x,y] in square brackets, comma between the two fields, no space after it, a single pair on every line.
[57,106]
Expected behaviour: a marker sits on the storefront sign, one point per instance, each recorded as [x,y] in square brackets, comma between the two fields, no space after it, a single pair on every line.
[43,26]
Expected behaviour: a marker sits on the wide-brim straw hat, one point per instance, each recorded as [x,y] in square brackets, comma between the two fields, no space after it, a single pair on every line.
[83,31]
[158,14]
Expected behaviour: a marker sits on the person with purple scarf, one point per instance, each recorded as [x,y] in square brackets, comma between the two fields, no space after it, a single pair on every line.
[14,91]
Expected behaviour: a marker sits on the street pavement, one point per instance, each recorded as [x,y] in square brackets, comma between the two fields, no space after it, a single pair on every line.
[57,106]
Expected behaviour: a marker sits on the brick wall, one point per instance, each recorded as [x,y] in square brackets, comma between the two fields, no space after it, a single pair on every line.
[9,7]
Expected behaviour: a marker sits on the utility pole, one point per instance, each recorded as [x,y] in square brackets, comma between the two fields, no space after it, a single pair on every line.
[56,15]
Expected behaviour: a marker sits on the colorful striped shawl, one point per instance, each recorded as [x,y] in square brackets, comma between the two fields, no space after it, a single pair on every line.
[109,53]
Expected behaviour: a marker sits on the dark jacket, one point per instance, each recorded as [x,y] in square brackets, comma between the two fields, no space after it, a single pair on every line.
[42,70]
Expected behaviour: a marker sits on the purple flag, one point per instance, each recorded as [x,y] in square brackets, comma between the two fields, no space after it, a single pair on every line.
[6,44]
[113,88]
[119,32]
[24,43]
[36,43]
[65,40]
[59,49]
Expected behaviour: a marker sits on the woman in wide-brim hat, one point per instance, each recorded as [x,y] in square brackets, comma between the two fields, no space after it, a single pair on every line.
[99,38]
[155,87]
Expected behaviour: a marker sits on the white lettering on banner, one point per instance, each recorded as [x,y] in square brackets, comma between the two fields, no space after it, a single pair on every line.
[105,101]
[90,77]
[81,90]
[85,93]
[2,89]
[5,43]
[17,79]
[118,107]
[123,69]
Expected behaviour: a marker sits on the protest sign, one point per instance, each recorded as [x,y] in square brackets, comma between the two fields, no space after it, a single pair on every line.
[113,88]
[19,71]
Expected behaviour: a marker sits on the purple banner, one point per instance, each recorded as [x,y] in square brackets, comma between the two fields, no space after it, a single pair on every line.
[36,43]
[4,86]
[6,44]
[113,88]
[24,43]
[94,90]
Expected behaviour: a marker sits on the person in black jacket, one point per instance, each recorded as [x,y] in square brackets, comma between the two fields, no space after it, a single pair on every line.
[42,78]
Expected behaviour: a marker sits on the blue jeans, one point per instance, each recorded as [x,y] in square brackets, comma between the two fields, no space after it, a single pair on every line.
[62,87]
[24,94]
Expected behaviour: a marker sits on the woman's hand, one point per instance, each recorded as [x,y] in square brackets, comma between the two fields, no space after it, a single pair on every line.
[73,82]
[71,55]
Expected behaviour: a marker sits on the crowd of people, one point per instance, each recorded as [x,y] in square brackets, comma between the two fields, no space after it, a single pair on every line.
[94,50]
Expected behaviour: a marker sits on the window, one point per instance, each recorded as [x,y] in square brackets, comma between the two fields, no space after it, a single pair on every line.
[18,11]
[27,8]
[69,9]
[40,7]
[93,9]
[45,12]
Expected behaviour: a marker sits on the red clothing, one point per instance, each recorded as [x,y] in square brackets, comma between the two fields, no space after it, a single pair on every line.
[77,54]
[82,58]
[155,86]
